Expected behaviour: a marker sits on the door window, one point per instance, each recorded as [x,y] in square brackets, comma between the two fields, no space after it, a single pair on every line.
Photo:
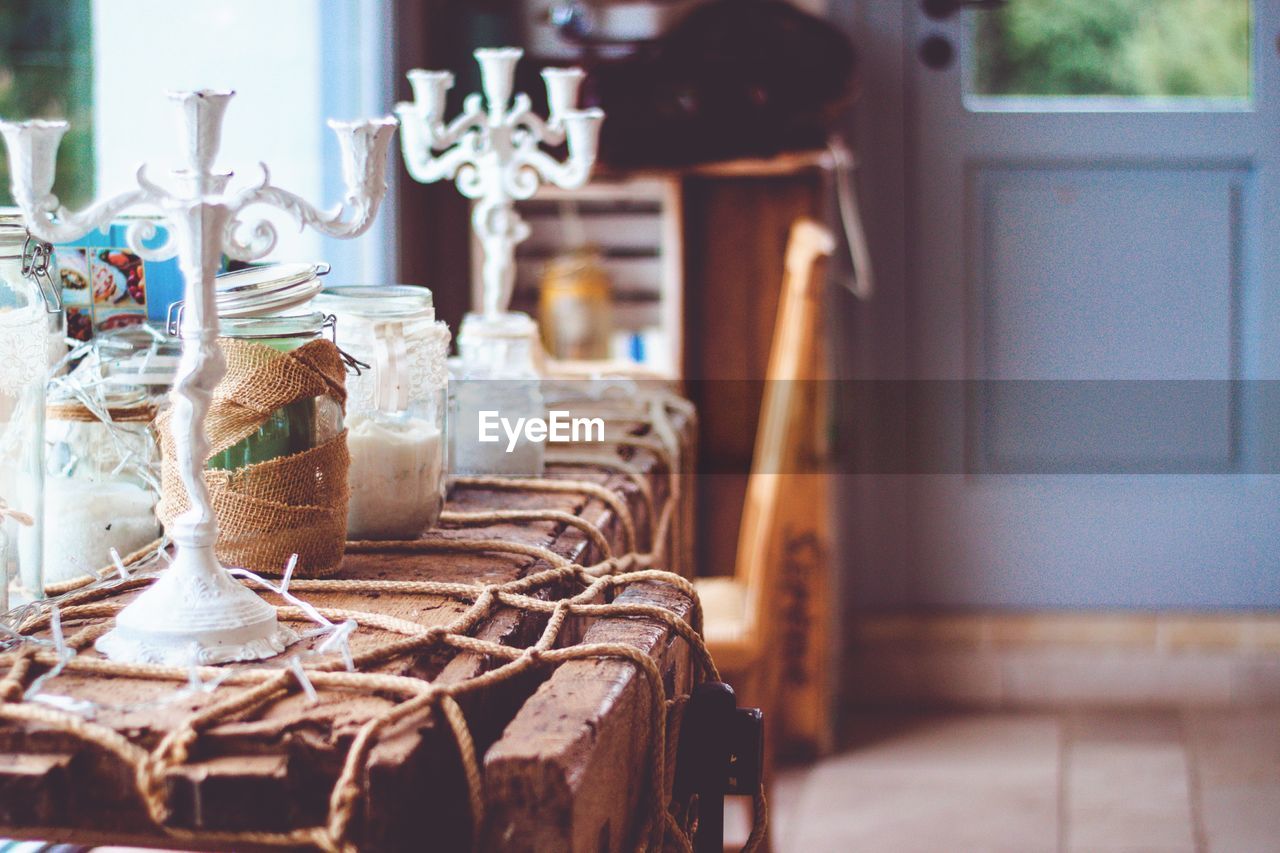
[1127,54]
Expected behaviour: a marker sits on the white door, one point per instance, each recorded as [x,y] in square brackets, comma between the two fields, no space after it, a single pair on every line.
[1109,265]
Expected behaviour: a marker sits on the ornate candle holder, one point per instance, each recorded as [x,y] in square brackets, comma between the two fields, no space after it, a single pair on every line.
[196,612]
[495,155]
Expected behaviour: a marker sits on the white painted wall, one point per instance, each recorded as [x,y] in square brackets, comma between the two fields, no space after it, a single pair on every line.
[293,64]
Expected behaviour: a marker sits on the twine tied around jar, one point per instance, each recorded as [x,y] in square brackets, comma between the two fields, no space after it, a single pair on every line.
[77,411]
[293,504]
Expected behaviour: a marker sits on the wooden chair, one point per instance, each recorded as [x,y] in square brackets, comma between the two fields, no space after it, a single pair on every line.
[767,625]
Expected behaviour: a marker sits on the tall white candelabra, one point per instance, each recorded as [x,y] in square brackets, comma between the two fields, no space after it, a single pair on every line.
[196,612]
[495,153]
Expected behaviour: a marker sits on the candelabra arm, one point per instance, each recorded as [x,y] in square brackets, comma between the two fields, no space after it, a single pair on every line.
[422,135]
[248,240]
[364,159]
[471,118]
[62,226]
[523,118]
[570,174]
[426,169]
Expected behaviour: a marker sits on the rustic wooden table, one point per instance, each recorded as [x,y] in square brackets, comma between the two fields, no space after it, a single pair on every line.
[567,748]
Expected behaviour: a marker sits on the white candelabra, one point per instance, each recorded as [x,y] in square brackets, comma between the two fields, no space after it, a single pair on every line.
[196,612]
[495,153]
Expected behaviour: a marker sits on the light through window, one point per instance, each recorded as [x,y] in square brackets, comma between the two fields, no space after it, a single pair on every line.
[1151,49]
[46,71]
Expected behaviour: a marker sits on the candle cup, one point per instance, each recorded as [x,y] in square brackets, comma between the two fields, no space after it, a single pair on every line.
[200,126]
[498,75]
[562,91]
[430,91]
[33,157]
[363,145]
[582,128]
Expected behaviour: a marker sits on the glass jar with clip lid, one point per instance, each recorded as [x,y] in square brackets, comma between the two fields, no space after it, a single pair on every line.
[101,477]
[277,470]
[395,408]
[30,330]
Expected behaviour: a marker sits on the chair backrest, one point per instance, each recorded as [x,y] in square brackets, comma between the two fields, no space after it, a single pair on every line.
[786,419]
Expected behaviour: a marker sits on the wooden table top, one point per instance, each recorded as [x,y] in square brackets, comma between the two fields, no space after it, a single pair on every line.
[566,747]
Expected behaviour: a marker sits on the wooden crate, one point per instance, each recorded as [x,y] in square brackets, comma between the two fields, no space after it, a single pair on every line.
[568,750]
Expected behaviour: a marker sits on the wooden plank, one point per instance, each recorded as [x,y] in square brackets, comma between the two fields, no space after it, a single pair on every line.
[571,769]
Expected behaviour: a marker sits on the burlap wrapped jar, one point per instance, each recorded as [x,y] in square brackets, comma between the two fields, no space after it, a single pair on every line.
[277,472]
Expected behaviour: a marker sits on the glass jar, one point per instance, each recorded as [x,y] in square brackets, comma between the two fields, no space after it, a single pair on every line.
[101,481]
[395,408]
[499,392]
[575,308]
[294,427]
[30,319]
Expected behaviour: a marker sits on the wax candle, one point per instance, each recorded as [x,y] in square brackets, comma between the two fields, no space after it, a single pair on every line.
[85,520]
[396,476]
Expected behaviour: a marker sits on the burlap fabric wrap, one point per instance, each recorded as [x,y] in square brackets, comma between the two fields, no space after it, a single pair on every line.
[290,505]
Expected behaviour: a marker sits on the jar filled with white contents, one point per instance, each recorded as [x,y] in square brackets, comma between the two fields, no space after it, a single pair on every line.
[101,479]
[30,320]
[396,407]
[498,393]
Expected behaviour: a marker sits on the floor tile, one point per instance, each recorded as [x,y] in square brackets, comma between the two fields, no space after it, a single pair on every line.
[966,783]
[1242,818]
[1125,727]
[1128,796]
[1235,747]
[1131,781]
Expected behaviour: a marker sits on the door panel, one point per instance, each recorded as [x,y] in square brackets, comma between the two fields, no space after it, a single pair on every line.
[1154,299]
[1100,274]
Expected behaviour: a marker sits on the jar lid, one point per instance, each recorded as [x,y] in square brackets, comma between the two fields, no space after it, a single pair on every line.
[268,289]
[378,302]
[111,397]
[119,404]
[12,223]
[307,325]
[13,230]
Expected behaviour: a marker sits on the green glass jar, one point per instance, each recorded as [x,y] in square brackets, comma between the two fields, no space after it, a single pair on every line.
[295,427]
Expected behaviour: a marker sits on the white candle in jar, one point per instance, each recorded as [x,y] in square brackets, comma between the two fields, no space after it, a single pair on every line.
[84,520]
[396,477]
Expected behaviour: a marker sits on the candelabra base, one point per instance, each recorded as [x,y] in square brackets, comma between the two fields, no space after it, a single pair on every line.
[196,614]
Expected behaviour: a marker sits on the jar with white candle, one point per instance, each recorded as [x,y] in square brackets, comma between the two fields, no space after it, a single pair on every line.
[396,407]
[30,320]
[101,483]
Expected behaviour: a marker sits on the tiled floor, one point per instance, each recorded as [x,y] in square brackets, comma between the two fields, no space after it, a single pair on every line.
[1105,782]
